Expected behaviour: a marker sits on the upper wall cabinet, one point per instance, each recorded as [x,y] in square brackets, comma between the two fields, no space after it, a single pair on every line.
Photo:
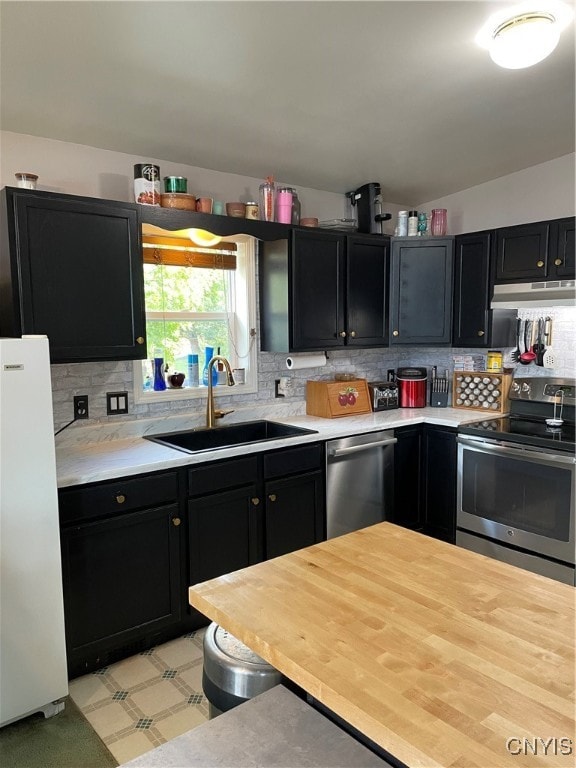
[321,290]
[71,268]
[475,324]
[539,251]
[421,290]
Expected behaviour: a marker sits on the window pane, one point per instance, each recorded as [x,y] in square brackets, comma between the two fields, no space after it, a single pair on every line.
[185,289]
[175,339]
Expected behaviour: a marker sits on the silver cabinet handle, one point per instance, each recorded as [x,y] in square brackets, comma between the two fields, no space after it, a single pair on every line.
[363,447]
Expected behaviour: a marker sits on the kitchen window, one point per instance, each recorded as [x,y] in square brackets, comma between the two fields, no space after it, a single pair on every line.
[197,298]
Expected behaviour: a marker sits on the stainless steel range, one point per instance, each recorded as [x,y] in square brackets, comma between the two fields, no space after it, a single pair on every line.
[516,480]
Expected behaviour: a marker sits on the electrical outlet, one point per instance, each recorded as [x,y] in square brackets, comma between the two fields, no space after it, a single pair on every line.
[80,406]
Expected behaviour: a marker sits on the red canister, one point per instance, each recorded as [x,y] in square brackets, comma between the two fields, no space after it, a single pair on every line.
[412,387]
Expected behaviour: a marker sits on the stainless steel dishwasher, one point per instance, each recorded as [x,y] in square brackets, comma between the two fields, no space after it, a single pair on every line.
[359,481]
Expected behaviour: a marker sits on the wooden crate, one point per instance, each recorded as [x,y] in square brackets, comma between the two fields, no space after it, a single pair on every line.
[333,399]
[481,391]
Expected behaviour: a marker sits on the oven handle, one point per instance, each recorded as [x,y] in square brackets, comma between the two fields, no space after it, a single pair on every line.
[489,446]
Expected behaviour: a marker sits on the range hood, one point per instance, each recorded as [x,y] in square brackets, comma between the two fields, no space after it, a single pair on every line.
[552,293]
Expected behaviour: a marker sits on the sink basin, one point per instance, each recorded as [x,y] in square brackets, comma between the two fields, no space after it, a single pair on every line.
[195,440]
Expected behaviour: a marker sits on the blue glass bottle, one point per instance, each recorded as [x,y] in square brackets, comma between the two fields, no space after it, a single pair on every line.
[159,380]
[209,351]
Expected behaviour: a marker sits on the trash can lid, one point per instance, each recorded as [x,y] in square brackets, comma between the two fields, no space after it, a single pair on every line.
[233,648]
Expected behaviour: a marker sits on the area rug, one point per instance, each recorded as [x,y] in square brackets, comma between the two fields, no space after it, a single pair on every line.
[66,740]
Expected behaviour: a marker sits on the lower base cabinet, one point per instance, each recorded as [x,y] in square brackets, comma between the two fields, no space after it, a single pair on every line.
[121,567]
[425,480]
[243,511]
[131,547]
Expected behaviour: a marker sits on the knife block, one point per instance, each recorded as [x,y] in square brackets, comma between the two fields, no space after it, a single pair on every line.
[439,399]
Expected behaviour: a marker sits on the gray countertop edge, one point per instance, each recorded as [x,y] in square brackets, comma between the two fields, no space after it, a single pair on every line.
[107,459]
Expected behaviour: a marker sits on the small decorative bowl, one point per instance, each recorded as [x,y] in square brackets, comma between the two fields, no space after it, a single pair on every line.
[310,222]
[178,200]
[238,210]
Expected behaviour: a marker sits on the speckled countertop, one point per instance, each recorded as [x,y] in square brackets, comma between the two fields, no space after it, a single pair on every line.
[108,451]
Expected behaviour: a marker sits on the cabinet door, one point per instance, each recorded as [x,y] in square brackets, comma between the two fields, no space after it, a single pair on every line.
[224,533]
[407,473]
[77,276]
[121,580]
[421,291]
[294,513]
[367,291]
[563,262]
[521,252]
[471,290]
[317,290]
[439,483]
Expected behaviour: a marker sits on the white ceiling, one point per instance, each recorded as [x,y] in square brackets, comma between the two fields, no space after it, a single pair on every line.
[328,95]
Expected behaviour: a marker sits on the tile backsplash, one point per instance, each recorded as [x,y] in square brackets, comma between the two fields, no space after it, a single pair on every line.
[95,379]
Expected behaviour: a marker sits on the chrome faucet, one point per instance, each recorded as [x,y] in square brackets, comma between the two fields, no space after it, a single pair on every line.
[211,413]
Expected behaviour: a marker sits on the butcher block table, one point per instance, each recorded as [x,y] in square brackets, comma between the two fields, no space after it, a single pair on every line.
[440,656]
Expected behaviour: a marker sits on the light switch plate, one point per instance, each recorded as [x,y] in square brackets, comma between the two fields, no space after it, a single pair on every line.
[116,402]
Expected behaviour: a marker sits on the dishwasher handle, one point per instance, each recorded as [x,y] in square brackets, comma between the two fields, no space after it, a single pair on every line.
[335,452]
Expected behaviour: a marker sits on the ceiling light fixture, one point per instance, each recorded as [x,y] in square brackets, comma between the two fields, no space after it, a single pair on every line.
[203,237]
[525,34]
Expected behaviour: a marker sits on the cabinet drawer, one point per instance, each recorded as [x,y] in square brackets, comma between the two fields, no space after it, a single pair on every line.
[117,496]
[230,473]
[287,461]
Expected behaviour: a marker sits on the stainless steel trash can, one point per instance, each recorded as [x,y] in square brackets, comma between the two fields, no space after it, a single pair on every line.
[232,673]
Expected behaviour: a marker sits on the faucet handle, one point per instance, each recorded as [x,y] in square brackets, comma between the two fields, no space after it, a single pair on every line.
[219,413]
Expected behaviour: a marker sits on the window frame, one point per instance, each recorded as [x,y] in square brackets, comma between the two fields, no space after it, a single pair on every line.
[244,294]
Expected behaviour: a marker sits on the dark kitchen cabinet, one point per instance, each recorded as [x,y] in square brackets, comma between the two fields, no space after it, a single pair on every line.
[122,569]
[421,291]
[474,323]
[564,248]
[224,517]
[294,499]
[425,480]
[408,501]
[439,482]
[323,290]
[539,251]
[245,510]
[71,268]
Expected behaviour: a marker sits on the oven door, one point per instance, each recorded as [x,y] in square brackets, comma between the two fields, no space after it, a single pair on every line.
[517,494]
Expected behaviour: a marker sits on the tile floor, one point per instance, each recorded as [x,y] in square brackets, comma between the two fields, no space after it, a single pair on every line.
[145,700]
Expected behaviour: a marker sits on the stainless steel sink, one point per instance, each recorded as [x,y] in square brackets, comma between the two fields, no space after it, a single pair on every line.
[196,440]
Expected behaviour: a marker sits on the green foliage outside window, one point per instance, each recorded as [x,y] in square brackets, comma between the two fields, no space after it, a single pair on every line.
[183,289]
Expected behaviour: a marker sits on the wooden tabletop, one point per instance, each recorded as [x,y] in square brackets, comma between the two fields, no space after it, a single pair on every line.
[441,656]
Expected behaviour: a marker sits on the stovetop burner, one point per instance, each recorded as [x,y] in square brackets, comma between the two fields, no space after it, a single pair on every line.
[531,403]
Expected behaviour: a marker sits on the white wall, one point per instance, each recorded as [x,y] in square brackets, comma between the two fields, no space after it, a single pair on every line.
[79,170]
[545,191]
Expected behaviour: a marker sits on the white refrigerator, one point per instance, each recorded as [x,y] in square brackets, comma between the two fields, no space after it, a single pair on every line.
[33,674]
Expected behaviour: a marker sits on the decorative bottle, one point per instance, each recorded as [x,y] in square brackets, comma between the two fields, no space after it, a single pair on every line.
[438,223]
[267,194]
[209,355]
[159,383]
